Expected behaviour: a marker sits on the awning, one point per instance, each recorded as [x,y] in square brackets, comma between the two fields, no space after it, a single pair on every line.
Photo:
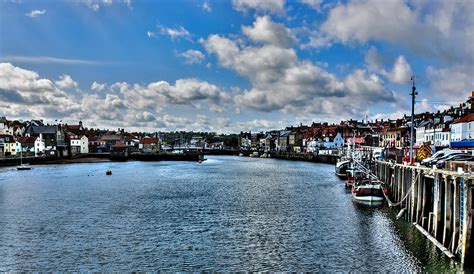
[464,143]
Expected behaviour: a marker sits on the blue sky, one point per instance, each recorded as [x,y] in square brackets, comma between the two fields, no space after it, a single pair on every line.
[227,66]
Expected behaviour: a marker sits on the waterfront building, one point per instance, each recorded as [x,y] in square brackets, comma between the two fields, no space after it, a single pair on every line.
[283,141]
[109,140]
[463,129]
[334,141]
[27,144]
[7,145]
[79,145]
[148,145]
[295,140]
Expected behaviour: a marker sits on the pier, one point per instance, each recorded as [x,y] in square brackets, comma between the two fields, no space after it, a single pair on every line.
[437,202]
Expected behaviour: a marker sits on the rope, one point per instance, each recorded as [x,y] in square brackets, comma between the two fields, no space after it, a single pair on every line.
[390,203]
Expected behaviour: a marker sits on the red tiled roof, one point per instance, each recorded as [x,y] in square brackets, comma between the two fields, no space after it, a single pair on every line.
[26,140]
[149,141]
[119,144]
[73,127]
[466,119]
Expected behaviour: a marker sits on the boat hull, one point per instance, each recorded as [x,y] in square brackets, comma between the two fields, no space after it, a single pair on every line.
[341,169]
[368,195]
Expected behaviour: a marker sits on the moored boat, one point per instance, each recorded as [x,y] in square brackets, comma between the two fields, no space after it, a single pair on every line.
[368,193]
[23,167]
[342,167]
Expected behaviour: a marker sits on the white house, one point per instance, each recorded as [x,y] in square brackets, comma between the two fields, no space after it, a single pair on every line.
[4,128]
[79,145]
[39,145]
[44,147]
[463,129]
[420,132]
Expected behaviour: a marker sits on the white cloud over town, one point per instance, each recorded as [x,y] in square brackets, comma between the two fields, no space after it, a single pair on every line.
[35,13]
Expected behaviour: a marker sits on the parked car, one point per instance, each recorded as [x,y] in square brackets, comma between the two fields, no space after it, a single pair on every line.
[438,155]
[456,157]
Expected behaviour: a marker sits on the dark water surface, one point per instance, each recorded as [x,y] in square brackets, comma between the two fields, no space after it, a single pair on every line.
[228,213]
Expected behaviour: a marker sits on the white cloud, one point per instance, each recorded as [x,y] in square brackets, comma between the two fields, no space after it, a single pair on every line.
[282,82]
[66,82]
[35,13]
[266,31]
[401,71]
[150,34]
[314,4]
[175,33]
[428,29]
[452,83]
[265,6]
[46,59]
[374,61]
[24,90]
[193,56]
[206,6]
[98,87]
[96,4]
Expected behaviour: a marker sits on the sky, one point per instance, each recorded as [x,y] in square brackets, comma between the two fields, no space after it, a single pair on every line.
[228,66]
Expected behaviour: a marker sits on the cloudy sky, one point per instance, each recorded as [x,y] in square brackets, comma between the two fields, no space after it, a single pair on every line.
[234,65]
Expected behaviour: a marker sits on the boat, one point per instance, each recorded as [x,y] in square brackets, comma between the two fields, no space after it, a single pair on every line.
[241,154]
[350,175]
[254,154]
[368,193]
[22,166]
[108,172]
[342,167]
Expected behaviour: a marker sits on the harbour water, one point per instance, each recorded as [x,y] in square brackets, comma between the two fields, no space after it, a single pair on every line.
[227,214]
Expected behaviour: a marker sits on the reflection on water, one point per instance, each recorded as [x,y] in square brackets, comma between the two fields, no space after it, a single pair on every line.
[228,213]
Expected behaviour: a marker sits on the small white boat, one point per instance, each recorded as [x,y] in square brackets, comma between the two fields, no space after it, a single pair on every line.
[241,154]
[22,166]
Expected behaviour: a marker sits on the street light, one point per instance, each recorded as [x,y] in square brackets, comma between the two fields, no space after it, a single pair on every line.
[413,94]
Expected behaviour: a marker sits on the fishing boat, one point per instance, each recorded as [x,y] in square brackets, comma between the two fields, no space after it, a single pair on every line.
[350,175]
[22,166]
[342,167]
[367,193]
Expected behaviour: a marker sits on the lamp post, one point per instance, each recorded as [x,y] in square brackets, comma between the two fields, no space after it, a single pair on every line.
[413,94]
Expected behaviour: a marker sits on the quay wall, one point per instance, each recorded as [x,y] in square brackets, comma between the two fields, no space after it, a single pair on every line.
[438,202]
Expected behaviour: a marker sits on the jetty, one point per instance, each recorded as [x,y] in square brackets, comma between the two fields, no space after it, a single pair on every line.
[437,202]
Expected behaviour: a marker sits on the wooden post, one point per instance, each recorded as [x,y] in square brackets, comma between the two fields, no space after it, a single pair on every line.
[437,206]
[467,251]
[419,200]
[414,195]
[447,212]
[455,232]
